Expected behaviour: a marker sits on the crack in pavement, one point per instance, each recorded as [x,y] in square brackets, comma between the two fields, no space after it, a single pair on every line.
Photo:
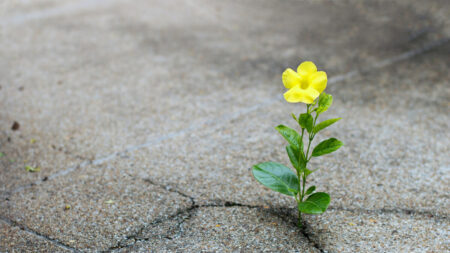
[185,214]
[282,212]
[226,118]
[182,216]
[229,117]
[308,237]
[34,233]
[170,189]
[413,212]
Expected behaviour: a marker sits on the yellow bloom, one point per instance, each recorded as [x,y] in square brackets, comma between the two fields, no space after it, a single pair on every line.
[305,85]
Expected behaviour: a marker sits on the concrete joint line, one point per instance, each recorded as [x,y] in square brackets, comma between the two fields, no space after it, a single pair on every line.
[394,210]
[407,55]
[183,216]
[37,234]
[308,237]
[186,214]
[170,189]
[227,118]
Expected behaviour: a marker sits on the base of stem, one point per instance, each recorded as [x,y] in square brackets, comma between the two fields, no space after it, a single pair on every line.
[299,224]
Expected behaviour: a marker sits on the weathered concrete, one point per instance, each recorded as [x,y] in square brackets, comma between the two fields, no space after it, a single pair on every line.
[379,231]
[163,106]
[383,164]
[93,208]
[223,229]
[15,238]
[25,147]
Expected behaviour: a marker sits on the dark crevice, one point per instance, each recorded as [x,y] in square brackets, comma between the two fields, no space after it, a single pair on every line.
[226,203]
[37,234]
[406,55]
[170,189]
[130,240]
[284,213]
[413,212]
[304,230]
[182,216]
[186,214]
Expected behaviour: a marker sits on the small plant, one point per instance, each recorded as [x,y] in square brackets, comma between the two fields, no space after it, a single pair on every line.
[305,86]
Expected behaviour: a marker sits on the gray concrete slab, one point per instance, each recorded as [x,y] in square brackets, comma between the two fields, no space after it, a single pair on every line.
[394,157]
[91,209]
[26,147]
[364,176]
[360,231]
[224,229]
[15,239]
[162,107]
[117,75]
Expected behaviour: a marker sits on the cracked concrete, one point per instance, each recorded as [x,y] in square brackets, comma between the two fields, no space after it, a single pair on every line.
[221,229]
[146,117]
[105,205]
[22,239]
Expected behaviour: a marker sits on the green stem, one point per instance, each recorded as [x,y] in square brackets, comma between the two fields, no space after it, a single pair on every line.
[299,219]
[302,175]
[304,186]
[301,155]
[311,138]
[301,190]
[307,151]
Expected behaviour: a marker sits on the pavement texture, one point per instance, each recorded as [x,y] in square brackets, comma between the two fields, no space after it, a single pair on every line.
[145,117]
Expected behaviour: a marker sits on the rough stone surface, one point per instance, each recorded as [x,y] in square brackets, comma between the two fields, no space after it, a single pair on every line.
[15,239]
[382,165]
[23,148]
[222,229]
[93,208]
[361,231]
[146,117]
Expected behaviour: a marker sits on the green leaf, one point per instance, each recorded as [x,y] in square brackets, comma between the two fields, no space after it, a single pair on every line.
[302,162]
[296,157]
[316,203]
[324,124]
[310,190]
[2,154]
[325,101]
[293,116]
[293,154]
[290,135]
[277,177]
[31,169]
[327,146]
[308,172]
[306,121]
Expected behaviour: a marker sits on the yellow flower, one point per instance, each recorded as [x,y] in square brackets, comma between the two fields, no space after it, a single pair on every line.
[305,85]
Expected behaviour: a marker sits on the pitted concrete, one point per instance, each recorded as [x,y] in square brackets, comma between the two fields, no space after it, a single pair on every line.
[145,118]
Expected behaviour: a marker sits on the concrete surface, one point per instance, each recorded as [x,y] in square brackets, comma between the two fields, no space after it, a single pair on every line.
[146,116]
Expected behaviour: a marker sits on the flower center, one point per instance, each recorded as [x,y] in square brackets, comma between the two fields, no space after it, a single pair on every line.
[304,83]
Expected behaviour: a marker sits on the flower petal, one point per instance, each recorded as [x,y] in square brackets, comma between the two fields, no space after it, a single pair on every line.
[319,81]
[290,78]
[297,94]
[306,68]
